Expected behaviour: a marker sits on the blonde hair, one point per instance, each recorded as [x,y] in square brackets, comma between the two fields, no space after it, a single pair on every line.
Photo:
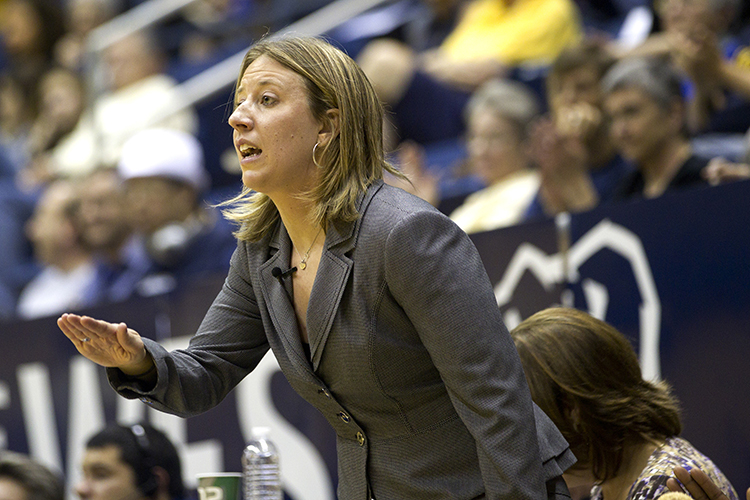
[354,157]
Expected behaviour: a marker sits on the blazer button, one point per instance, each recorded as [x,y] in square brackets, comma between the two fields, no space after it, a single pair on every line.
[323,392]
[344,417]
[361,439]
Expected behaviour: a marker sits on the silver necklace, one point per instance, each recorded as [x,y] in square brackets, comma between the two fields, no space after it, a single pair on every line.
[303,260]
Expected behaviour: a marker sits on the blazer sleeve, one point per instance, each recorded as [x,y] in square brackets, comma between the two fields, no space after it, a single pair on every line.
[230,343]
[435,273]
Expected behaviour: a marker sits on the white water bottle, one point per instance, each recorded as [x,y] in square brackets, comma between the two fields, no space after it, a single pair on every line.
[260,468]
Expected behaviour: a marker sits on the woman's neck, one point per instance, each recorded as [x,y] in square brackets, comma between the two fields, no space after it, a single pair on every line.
[634,461]
[299,225]
[659,170]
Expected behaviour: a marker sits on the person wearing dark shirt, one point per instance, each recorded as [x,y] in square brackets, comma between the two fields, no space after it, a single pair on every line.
[644,107]
[573,141]
[647,113]
[689,174]
[180,239]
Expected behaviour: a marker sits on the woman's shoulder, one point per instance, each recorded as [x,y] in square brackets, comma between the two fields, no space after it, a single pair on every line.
[397,204]
[392,214]
[675,452]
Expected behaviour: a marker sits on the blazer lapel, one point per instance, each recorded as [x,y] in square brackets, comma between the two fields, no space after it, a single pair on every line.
[332,277]
[278,296]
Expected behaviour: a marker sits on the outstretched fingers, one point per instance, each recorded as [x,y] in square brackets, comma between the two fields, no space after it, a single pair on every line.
[97,327]
[70,325]
[85,331]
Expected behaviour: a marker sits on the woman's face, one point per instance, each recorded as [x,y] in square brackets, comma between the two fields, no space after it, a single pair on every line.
[274,130]
[494,145]
[638,125]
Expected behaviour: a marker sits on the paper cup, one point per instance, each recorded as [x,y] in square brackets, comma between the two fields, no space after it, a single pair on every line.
[219,486]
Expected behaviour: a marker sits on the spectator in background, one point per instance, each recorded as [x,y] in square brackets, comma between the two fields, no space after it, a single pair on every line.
[572,145]
[697,37]
[205,31]
[646,111]
[498,117]
[624,430]
[140,95]
[29,30]
[180,237]
[136,463]
[22,478]
[80,18]
[66,266]
[107,233]
[428,91]
[61,103]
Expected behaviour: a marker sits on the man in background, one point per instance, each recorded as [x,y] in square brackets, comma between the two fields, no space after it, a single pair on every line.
[181,237]
[66,266]
[135,462]
[107,233]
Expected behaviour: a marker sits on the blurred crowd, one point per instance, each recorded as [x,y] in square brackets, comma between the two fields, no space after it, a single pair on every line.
[500,112]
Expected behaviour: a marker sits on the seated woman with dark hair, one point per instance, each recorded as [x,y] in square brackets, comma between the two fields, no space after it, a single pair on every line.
[624,430]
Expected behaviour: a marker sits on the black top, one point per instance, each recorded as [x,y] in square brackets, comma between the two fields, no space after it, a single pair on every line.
[688,175]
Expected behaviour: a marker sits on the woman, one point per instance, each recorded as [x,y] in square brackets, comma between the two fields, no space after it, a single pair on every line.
[644,103]
[624,430]
[376,306]
[498,116]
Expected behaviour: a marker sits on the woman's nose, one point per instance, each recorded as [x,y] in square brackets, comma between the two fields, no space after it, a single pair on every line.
[240,119]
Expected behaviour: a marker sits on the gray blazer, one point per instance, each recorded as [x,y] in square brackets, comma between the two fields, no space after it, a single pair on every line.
[410,361]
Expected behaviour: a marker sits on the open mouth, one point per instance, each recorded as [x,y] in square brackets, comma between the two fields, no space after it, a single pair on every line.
[249,151]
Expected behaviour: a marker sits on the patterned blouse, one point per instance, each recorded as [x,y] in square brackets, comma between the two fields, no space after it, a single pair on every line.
[675,452]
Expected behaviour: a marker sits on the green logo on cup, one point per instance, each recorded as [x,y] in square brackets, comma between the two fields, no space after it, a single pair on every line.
[219,486]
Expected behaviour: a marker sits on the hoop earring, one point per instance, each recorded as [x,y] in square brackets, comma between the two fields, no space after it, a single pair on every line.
[315,148]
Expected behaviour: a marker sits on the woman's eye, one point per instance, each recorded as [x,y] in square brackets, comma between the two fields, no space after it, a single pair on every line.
[266,100]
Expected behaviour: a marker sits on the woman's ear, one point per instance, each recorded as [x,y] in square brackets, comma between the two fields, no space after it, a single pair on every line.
[330,127]
[573,415]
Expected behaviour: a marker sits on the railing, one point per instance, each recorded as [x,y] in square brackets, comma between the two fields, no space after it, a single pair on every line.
[224,73]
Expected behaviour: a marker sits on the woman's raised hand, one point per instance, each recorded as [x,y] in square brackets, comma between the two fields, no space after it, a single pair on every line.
[107,344]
